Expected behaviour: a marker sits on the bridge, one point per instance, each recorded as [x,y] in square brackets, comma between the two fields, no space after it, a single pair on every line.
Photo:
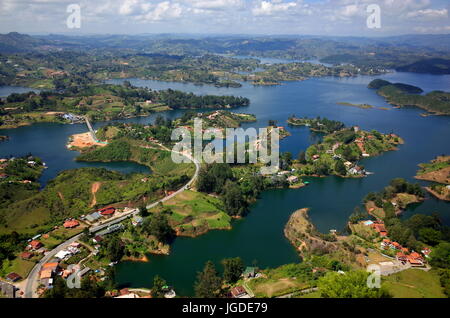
[91,130]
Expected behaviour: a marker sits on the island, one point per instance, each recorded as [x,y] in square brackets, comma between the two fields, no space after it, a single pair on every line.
[401,95]
[437,172]
[362,106]
[393,199]
[341,149]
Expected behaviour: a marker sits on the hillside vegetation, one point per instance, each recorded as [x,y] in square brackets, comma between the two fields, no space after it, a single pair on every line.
[401,95]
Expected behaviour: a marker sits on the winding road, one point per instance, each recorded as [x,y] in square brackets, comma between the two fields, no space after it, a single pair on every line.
[32,281]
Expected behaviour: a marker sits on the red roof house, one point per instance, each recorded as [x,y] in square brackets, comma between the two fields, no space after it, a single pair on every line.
[13,277]
[26,255]
[70,224]
[107,211]
[238,291]
[401,257]
[35,244]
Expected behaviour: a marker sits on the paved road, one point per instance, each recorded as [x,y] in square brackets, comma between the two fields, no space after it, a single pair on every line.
[32,280]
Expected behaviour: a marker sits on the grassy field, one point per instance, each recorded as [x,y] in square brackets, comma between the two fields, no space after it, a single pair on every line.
[56,237]
[194,212]
[363,231]
[414,283]
[18,265]
[374,210]
[278,281]
[267,287]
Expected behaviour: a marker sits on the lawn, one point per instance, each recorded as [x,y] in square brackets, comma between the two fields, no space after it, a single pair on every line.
[374,210]
[18,265]
[191,209]
[265,287]
[414,283]
[56,237]
[363,231]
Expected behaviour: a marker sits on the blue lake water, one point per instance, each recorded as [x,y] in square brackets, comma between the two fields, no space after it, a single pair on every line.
[259,238]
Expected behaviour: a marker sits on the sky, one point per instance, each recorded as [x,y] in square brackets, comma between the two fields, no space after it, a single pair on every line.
[263,17]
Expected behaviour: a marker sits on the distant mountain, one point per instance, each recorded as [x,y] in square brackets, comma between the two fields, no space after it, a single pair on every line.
[429,66]
[17,43]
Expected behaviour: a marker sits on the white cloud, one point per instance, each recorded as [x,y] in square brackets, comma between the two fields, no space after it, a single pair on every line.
[274,7]
[428,14]
[163,11]
[216,4]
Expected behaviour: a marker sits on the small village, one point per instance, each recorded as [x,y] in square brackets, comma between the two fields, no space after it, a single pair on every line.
[69,258]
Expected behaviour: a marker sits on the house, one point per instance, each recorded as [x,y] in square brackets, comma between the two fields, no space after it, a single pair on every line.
[63,254]
[137,220]
[292,179]
[54,266]
[239,292]
[250,272]
[93,217]
[415,260]
[26,255]
[316,157]
[417,256]
[13,277]
[426,251]
[348,164]
[108,212]
[75,244]
[71,223]
[379,227]
[97,239]
[46,274]
[386,243]
[401,257]
[35,245]
[111,229]
[396,246]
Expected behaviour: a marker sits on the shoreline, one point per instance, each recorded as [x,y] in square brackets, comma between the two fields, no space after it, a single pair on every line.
[83,141]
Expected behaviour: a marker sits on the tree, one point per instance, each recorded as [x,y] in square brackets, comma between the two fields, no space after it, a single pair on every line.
[302,157]
[212,178]
[389,210]
[340,168]
[232,269]
[233,199]
[349,285]
[430,236]
[158,287]
[115,249]
[285,160]
[208,282]
[158,226]
[143,211]
[440,255]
